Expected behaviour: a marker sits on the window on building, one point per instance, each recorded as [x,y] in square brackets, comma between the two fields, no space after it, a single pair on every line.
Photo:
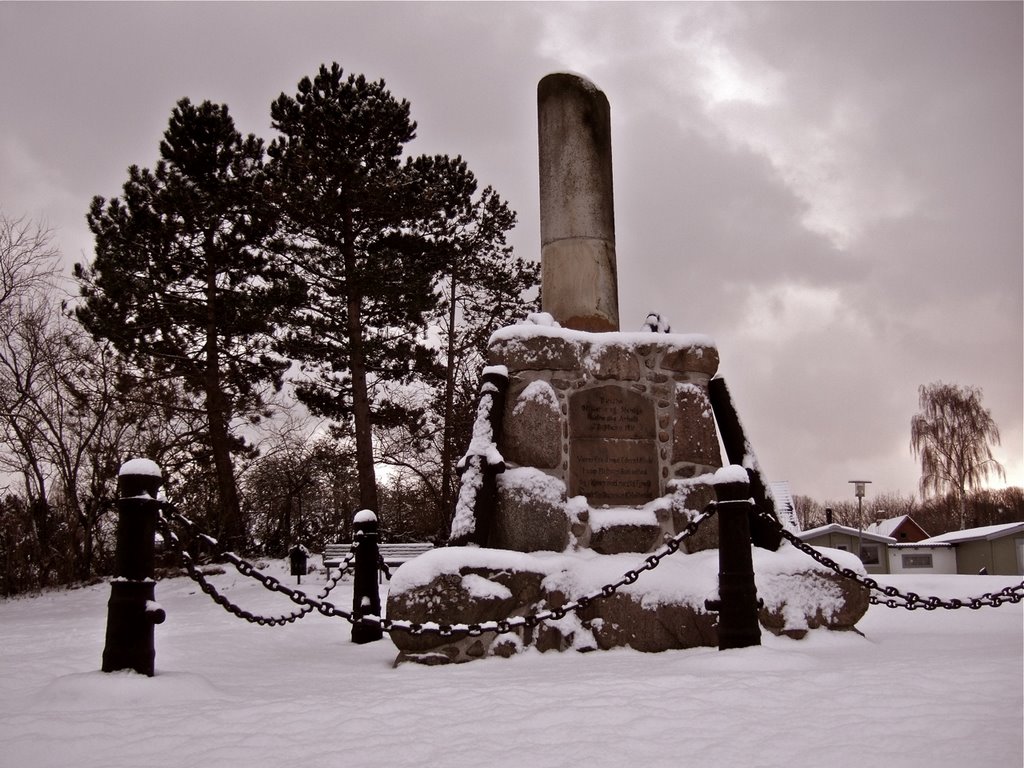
[916,561]
[869,554]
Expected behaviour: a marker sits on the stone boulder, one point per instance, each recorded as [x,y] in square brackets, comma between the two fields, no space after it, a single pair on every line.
[482,585]
[814,599]
[624,621]
[532,512]
[662,610]
[532,434]
[614,531]
[690,498]
[800,595]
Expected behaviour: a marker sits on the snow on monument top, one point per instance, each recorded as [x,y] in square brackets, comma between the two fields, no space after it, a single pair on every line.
[532,329]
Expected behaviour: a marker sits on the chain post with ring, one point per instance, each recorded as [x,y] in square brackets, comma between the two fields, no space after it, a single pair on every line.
[132,610]
[365,590]
[737,604]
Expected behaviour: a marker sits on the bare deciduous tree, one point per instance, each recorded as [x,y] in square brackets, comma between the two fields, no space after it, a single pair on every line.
[952,436]
[28,260]
[302,490]
[66,425]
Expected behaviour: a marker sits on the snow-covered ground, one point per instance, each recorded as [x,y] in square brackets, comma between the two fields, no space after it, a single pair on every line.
[928,689]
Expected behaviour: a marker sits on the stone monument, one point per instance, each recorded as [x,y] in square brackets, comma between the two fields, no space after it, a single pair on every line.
[601,445]
[614,417]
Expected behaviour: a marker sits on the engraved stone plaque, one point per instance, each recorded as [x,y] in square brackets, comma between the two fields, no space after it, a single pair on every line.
[614,472]
[613,455]
[611,411]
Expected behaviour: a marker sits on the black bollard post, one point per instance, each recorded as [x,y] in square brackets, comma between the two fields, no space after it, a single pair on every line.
[298,555]
[737,604]
[132,610]
[365,593]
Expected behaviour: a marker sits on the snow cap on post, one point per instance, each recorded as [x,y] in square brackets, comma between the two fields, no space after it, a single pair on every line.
[732,473]
[139,477]
[364,516]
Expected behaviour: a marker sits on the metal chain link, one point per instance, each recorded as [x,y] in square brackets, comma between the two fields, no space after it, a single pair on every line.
[246,569]
[502,626]
[910,600]
[499,626]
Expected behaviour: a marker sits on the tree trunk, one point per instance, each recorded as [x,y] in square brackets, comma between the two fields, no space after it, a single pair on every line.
[357,365]
[40,514]
[85,520]
[448,440]
[231,533]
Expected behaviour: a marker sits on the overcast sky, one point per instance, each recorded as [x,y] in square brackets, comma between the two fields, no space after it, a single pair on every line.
[833,192]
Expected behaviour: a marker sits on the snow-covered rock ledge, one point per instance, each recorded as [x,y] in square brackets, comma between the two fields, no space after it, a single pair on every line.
[533,346]
[663,610]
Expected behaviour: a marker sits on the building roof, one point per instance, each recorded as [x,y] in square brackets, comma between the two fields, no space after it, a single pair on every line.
[987,532]
[821,530]
[921,545]
[886,527]
[890,526]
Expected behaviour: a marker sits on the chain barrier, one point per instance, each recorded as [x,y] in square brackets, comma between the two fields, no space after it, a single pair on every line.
[320,604]
[894,598]
[246,569]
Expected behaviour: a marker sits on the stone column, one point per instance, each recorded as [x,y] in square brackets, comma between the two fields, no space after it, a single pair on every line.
[577,222]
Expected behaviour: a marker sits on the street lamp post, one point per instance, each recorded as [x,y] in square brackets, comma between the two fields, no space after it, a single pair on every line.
[858,489]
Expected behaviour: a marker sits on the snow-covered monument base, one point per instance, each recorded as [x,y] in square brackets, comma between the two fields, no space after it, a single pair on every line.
[593,450]
[608,447]
[663,610]
[608,439]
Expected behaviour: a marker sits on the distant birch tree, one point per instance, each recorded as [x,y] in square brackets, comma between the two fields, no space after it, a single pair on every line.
[952,437]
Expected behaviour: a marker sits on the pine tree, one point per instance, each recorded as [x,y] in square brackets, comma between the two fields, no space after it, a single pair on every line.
[482,287]
[183,283]
[360,226]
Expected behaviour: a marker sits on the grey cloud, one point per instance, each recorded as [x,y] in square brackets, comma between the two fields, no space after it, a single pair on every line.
[910,114]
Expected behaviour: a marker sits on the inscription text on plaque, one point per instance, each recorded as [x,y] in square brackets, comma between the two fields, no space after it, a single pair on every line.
[613,456]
